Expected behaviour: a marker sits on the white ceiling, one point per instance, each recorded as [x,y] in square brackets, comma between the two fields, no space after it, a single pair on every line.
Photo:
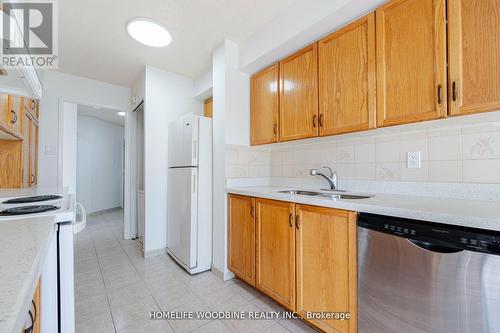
[93,41]
[108,115]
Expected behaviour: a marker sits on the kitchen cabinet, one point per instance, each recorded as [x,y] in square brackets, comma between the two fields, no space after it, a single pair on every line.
[208,108]
[241,257]
[298,101]
[474,56]
[411,61]
[16,110]
[326,265]
[5,115]
[264,106]
[19,146]
[347,78]
[32,105]
[306,256]
[275,250]
[26,151]
[33,153]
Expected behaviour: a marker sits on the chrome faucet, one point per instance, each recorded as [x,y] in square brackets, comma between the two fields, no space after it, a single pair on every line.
[331,177]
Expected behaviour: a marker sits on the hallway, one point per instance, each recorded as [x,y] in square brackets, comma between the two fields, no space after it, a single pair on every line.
[115,289]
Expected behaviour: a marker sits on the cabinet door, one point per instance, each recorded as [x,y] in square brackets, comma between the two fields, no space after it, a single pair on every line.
[411,61]
[299,95]
[16,108]
[264,106]
[208,109]
[33,153]
[326,265]
[474,55]
[275,245]
[26,149]
[5,114]
[241,256]
[347,78]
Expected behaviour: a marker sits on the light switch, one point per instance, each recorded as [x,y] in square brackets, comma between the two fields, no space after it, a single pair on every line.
[413,160]
[50,150]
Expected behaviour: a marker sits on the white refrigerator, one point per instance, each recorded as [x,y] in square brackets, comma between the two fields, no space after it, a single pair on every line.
[189,224]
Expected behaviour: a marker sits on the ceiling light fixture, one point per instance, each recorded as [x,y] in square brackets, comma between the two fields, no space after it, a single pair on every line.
[121,113]
[148,32]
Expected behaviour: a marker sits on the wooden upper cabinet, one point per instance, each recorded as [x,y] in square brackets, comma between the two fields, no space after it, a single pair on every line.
[34,153]
[411,61]
[347,78]
[5,115]
[275,248]
[299,95]
[26,173]
[16,110]
[208,108]
[474,55]
[264,106]
[241,257]
[327,265]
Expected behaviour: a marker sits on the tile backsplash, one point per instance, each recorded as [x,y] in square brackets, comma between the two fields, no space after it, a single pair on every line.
[455,150]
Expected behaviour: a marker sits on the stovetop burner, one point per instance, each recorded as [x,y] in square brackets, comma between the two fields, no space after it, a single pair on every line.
[35,198]
[23,210]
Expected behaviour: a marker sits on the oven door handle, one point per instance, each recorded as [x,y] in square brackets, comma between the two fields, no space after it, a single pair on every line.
[434,247]
[80,225]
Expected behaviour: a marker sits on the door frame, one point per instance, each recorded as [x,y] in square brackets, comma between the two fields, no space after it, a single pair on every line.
[129,185]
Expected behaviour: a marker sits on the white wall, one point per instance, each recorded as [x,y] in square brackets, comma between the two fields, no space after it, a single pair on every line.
[167,97]
[305,22]
[59,88]
[203,86]
[231,125]
[99,171]
[69,145]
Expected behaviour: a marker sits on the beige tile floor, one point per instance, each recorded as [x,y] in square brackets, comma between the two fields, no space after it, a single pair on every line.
[116,288]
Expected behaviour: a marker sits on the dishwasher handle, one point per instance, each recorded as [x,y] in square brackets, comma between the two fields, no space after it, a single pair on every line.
[434,247]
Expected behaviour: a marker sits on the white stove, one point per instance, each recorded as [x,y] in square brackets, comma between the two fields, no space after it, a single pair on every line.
[57,280]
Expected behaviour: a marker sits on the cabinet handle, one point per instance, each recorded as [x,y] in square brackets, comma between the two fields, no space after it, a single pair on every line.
[297,221]
[30,329]
[14,117]
[290,219]
[252,211]
[321,120]
[439,94]
[314,121]
[275,129]
[32,178]
[454,91]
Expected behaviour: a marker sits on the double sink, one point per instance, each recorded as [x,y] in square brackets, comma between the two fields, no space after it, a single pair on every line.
[334,195]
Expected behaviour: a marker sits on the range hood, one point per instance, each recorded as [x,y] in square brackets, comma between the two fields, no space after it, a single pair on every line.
[22,80]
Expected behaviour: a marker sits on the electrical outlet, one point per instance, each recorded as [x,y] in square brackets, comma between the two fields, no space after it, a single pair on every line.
[413,160]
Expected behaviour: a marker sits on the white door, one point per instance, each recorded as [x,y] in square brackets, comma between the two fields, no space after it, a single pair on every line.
[182,224]
[183,142]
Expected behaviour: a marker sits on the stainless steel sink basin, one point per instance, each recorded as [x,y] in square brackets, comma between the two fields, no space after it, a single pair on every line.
[300,192]
[332,195]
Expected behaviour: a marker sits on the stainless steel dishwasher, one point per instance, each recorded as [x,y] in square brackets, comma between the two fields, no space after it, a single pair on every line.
[416,276]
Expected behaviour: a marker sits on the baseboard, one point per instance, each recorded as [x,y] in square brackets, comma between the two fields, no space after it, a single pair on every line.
[154,253]
[223,276]
[107,210]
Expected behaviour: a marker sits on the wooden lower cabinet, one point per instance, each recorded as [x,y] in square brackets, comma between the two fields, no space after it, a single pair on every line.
[241,257]
[305,257]
[275,250]
[326,265]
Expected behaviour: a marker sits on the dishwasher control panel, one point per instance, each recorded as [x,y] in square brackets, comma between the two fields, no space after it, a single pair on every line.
[454,237]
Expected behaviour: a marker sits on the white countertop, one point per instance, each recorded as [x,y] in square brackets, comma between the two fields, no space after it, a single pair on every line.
[24,245]
[468,213]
